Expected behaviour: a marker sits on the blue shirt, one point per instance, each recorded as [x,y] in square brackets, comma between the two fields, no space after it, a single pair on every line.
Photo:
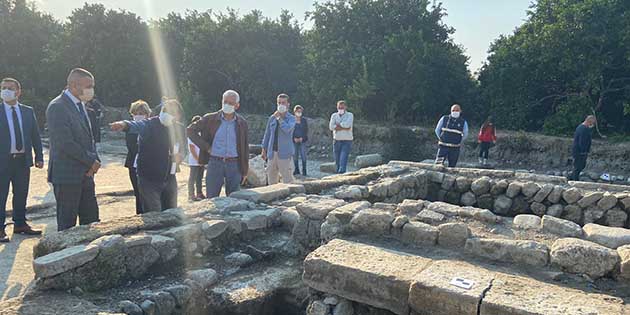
[224,143]
[301,130]
[438,129]
[285,136]
[8,109]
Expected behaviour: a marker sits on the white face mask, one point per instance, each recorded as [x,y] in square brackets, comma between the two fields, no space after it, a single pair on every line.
[341,111]
[227,109]
[298,114]
[8,95]
[166,119]
[455,114]
[282,108]
[87,95]
[139,117]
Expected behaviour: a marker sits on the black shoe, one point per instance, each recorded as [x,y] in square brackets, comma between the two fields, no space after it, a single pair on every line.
[26,230]
[296,172]
[3,236]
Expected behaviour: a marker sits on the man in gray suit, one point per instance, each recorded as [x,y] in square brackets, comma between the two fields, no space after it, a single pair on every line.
[73,158]
[19,137]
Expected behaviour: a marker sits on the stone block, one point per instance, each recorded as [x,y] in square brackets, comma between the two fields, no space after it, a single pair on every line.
[538,208]
[289,217]
[468,199]
[344,214]
[607,202]
[487,216]
[430,217]
[410,207]
[561,227]
[64,260]
[485,202]
[453,235]
[517,251]
[432,292]
[513,189]
[530,189]
[258,219]
[499,188]
[205,277]
[611,237]
[583,257]
[318,208]
[555,210]
[556,194]
[593,214]
[527,222]
[624,255]
[368,160]
[446,209]
[573,213]
[213,228]
[184,234]
[372,221]
[572,195]
[352,192]
[502,205]
[590,198]
[329,167]
[165,246]
[462,184]
[264,194]
[615,217]
[353,271]
[481,186]
[543,193]
[419,233]
[448,182]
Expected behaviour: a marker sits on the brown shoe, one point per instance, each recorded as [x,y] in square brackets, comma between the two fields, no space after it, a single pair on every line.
[3,236]
[25,229]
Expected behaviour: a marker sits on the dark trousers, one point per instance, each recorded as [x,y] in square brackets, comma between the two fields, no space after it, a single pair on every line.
[195,181]
[18,175]
[133,177]
[299,154]
[76,200]
[158,196]
[484,148]
[579,163]
[341,149]
[220,173]
[450,154]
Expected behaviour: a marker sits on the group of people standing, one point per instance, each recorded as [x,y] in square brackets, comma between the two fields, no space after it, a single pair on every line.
[158,142]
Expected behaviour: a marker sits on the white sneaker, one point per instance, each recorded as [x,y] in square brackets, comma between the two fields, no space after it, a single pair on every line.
[480,161]
[485,161]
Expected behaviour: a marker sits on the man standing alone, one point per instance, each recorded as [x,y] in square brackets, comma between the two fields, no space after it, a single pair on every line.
[341,124]
[18,140]
[277,144]
[451,131]
[582,145]
[73,159]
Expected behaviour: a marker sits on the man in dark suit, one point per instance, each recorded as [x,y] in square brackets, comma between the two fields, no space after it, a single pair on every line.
[161,148]
[19,137]
[73,159]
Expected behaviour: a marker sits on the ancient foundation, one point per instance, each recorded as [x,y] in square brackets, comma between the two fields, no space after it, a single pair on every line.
[402,238]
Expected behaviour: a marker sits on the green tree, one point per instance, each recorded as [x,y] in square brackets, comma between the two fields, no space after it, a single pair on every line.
[569,57]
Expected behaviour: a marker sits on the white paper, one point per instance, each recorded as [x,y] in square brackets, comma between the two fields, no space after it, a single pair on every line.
[462,283]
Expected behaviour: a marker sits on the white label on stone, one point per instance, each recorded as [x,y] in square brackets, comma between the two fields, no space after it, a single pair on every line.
[462,283]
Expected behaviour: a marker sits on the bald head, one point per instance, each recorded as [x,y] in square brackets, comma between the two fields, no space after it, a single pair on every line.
[81,84]
[456,108]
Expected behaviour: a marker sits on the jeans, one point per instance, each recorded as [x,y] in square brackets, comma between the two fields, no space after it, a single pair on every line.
[195,180]
[341,149]
[300,151]
[158,196]
[451,154]
[484,147]
[579,163]
[133,177]
[19,176]
[219,173]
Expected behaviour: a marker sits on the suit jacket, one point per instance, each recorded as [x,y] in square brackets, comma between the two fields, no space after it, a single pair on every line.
[202,132]
[30,132]
[131,140]
[155,143]
[72,151]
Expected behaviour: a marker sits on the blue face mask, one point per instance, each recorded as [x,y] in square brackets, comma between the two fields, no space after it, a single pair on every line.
[166,119]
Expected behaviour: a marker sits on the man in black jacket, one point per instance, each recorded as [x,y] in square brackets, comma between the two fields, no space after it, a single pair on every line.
[161,148]
[582,145]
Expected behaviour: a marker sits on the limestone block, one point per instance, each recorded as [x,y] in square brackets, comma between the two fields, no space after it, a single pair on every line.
[527,222]
[583,257]
[544,191]
[607,202]
[538,208]
[368,160]
[372,221]
[514,188]
[615,217]
[555,210]
[329,167]
[590,198]
[571,195]
[205,277]
[64,260]
[530,189]
[556,194]
[430,217]
[502,205]
[410,207]
[419,233]
[264,194]
[517,251]
[573,213]
[453,235]
[468,199]
[561,227]
[611,237]
[462,184]
[481,186]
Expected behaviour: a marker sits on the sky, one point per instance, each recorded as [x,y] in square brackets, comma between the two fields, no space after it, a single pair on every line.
[477,22]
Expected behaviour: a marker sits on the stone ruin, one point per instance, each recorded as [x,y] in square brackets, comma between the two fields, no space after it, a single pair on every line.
[401,238]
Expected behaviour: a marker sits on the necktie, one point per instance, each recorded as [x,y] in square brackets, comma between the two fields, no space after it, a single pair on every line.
[17,130]
[85,119]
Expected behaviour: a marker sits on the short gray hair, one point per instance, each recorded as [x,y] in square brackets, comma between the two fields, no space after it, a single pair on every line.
[78,73]
[232,93]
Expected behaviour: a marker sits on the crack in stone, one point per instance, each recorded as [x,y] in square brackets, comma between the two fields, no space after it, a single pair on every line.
[483,295]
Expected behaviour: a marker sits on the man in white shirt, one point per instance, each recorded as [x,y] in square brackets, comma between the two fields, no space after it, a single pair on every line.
[18,139]
[341,124]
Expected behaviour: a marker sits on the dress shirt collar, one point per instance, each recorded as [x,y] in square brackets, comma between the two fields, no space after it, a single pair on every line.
[72,97]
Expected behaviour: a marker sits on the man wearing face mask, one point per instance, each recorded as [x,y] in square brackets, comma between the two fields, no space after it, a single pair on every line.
[18,140]
[222,140]
[277,143]
[160,151]
[582,145]
[341,125]
[73,159]
[451,131]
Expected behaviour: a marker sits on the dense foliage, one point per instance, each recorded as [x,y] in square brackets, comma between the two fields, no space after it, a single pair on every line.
[569,59]
[392,60]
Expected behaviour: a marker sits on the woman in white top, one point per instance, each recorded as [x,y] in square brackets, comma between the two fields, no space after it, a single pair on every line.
[195,179]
